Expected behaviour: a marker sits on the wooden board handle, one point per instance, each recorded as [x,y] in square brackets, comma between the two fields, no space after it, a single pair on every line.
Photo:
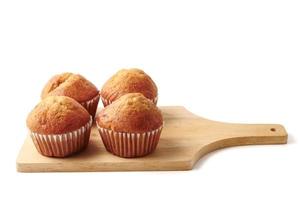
[242,134]
[246,134]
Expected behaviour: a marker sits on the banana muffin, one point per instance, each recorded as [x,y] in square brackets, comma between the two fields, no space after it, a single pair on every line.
[128,81]
[130,126]
[74,86]
[59,126]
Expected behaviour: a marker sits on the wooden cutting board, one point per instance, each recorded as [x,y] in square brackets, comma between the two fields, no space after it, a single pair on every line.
[184,140]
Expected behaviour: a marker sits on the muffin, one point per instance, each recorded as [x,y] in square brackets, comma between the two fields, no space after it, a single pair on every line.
[128,81]
[74,86]
[130,126]
[59,126]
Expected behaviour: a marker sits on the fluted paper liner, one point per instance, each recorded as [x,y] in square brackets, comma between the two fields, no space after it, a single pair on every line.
[62,145]
[91,105]
[106,102]
[130,145]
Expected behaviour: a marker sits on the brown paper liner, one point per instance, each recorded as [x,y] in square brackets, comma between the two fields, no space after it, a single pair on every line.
[106,102]
[62,145]
[130,145]
[91,105]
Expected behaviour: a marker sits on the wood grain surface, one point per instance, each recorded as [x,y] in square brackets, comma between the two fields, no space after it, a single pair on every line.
[184,140]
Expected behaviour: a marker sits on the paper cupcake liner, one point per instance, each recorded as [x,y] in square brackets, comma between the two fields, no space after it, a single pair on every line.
[130,145]
[62,145]
[91,105]
[106,102]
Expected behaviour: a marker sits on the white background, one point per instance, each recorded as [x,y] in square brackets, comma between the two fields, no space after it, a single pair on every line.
[232,60]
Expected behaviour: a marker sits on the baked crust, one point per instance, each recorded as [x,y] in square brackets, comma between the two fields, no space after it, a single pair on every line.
[57,115]
[129,81]
[131,113]
[71,85]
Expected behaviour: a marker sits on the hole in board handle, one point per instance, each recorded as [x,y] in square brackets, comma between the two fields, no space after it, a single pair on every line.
[273,129]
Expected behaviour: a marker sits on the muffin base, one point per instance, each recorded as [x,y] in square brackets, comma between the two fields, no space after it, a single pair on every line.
[130,145]
[106,102]
[91,105]
[62,145]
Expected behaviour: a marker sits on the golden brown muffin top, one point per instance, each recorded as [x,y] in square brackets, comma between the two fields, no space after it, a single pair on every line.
[56,115]
[132,113]
[129,81]
[71,85]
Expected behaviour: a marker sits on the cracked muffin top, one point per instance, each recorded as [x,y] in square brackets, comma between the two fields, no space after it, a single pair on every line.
[71,85]
[57,115]
[129,81]
[131,113]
